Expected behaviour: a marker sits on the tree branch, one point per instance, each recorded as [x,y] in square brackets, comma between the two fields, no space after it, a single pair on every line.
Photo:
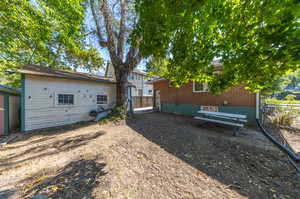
[97,22]
[122,31]
[133,57]
[111,45]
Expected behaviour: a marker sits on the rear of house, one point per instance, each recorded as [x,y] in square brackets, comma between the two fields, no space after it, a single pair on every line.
[54,98]
[192,97]
[9,110]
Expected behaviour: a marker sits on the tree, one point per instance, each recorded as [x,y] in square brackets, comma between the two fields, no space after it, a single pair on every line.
[277,86]
[290,97]
[46,32]
[294,78]
[114,23]
[255,40]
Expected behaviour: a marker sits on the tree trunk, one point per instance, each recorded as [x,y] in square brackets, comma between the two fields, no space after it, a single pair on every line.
[122,86]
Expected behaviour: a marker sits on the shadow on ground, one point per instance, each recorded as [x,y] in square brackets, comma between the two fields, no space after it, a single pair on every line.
[75,181]
[6,194]
[49,148]
[47,132]
[252,172]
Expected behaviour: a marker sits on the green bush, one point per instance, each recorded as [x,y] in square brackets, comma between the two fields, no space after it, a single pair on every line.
[283,94]
[290,97]
[117,114]
[276,101]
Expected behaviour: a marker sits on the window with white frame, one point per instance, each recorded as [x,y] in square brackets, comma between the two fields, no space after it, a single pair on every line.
[65,99]
[101,99]
[200,87]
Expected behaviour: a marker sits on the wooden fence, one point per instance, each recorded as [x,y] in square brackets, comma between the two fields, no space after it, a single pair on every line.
[142,101]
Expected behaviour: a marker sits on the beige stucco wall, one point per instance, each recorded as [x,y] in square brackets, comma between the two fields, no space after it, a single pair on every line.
[42,110]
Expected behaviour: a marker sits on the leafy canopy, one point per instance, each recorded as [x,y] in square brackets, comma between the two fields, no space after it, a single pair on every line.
[255,40]
[46,32]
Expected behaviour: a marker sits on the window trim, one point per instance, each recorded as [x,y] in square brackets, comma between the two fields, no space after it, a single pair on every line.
[107,99]
[64,93]
[205,88]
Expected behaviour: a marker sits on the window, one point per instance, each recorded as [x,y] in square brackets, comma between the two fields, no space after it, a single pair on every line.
[130,76]
[150,92]
[65,99]
[200,87]
[101,99]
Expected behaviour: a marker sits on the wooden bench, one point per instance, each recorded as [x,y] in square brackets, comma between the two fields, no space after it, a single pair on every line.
[237,120]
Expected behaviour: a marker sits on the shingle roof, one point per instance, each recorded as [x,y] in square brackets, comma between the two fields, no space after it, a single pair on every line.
[45,71]
[7,89]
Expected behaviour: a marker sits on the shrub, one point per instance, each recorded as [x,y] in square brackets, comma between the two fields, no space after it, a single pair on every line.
[284,116]
[117,114]
[290,97]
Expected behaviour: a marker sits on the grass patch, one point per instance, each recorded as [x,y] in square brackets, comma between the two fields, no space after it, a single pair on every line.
[277,101]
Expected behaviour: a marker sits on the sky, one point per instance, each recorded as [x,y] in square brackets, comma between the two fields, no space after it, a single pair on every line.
[93,40]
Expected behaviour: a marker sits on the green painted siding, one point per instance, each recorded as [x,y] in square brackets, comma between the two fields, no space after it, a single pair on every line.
[6,114]
[189,109]
[185,109]
[23,103]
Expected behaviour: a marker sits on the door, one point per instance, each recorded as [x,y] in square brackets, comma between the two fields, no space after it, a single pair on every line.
[1,114]
[157,100]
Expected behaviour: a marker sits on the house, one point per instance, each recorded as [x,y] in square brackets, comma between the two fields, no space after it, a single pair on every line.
[139,80]
[148,88]
[9,109]
[192,96]
[55,97]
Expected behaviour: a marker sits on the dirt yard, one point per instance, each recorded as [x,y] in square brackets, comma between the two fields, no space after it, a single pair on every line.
[152,155]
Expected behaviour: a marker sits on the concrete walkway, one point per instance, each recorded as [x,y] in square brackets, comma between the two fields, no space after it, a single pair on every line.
[143,110]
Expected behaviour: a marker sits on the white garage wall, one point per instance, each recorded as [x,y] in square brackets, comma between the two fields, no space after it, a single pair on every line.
[42,110]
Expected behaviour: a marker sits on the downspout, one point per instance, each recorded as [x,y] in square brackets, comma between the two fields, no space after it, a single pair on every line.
[257,105]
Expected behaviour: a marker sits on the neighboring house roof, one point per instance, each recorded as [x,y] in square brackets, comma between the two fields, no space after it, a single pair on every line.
[9,90]
[156,80]
[137,71]
[45,71]
[110,69]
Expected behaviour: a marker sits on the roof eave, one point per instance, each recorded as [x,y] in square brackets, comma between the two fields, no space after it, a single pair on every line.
[73,78]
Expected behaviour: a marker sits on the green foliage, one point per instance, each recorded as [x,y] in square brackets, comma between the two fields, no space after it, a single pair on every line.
[282,82]
[290,97]
[45,32]
[277,86]
[294,78]
[277,101]
[117,114]
[256,40]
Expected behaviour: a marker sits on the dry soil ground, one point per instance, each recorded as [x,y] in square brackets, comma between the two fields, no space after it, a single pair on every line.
[152,155]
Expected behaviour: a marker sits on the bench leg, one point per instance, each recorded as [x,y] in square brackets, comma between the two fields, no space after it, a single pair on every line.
[236,131]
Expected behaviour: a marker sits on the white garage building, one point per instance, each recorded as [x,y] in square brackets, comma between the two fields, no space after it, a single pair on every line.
[55,97]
